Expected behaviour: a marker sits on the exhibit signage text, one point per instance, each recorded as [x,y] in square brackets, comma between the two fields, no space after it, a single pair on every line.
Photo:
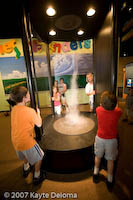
[9,47]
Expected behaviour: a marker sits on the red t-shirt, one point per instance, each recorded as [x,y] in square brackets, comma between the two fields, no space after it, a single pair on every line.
[107,122]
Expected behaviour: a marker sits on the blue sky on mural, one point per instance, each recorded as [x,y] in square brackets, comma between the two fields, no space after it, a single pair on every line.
[61,64]
[10,67]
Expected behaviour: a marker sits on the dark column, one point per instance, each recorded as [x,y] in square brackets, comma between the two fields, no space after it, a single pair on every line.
[39,130]
[115,43]
[31,85]
[32,57]
[50,75]
[27,58]
[105,54]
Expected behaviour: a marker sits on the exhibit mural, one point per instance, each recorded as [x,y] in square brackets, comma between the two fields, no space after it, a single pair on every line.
[66,57]
[12,66]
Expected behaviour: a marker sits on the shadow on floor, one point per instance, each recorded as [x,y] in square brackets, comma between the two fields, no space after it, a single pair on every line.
[69,177]
[9,180]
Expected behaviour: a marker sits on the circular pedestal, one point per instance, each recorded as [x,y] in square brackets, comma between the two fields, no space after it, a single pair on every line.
[67,152]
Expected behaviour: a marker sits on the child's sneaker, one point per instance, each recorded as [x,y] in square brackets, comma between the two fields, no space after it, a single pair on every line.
[109,185]
[95,178]
[26,172]
[38,180]
[125,120]
[130,122]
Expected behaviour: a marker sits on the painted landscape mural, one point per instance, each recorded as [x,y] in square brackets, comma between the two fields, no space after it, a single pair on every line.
[66,57]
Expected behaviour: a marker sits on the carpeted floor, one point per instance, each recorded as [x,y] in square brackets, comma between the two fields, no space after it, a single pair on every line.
[60,186]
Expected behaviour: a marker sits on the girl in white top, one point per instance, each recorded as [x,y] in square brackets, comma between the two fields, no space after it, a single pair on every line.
[89,90]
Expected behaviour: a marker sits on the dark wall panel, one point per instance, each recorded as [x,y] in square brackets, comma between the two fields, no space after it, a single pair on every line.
[105,62]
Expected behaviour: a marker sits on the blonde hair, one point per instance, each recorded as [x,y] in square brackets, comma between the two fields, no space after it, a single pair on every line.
[89,74]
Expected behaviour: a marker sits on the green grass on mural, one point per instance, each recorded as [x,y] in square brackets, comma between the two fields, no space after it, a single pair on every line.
[43,82]
[10,83]
[81,80]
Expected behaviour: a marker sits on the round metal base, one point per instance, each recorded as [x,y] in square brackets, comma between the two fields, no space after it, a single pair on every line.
[66,153]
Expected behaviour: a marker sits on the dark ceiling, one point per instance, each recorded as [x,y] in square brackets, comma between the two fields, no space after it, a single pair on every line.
[70,16]
[125,21]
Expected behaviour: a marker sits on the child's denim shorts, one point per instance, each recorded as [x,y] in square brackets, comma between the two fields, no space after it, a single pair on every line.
[106,147]
[32,155]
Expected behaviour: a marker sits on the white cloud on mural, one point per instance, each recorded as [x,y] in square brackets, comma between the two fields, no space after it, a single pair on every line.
[84,63]
[41,69]
[15,74]
[60,65]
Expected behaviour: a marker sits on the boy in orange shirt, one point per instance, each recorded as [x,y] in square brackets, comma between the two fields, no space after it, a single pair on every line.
[23,120]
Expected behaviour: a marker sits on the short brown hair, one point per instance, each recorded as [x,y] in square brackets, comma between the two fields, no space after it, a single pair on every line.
[108,100]
[17,93]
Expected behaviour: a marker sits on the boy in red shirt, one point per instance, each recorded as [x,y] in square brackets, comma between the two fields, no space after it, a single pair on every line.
[108,116]
[23,120]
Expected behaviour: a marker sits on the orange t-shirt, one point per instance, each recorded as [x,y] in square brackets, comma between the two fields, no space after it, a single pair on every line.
[23,120]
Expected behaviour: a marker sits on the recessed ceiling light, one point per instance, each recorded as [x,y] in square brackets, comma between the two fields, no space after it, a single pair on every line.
[31,35]
[52,33]
[91,12]
[50,11]
[124,4]
[130,9]
[80,32]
